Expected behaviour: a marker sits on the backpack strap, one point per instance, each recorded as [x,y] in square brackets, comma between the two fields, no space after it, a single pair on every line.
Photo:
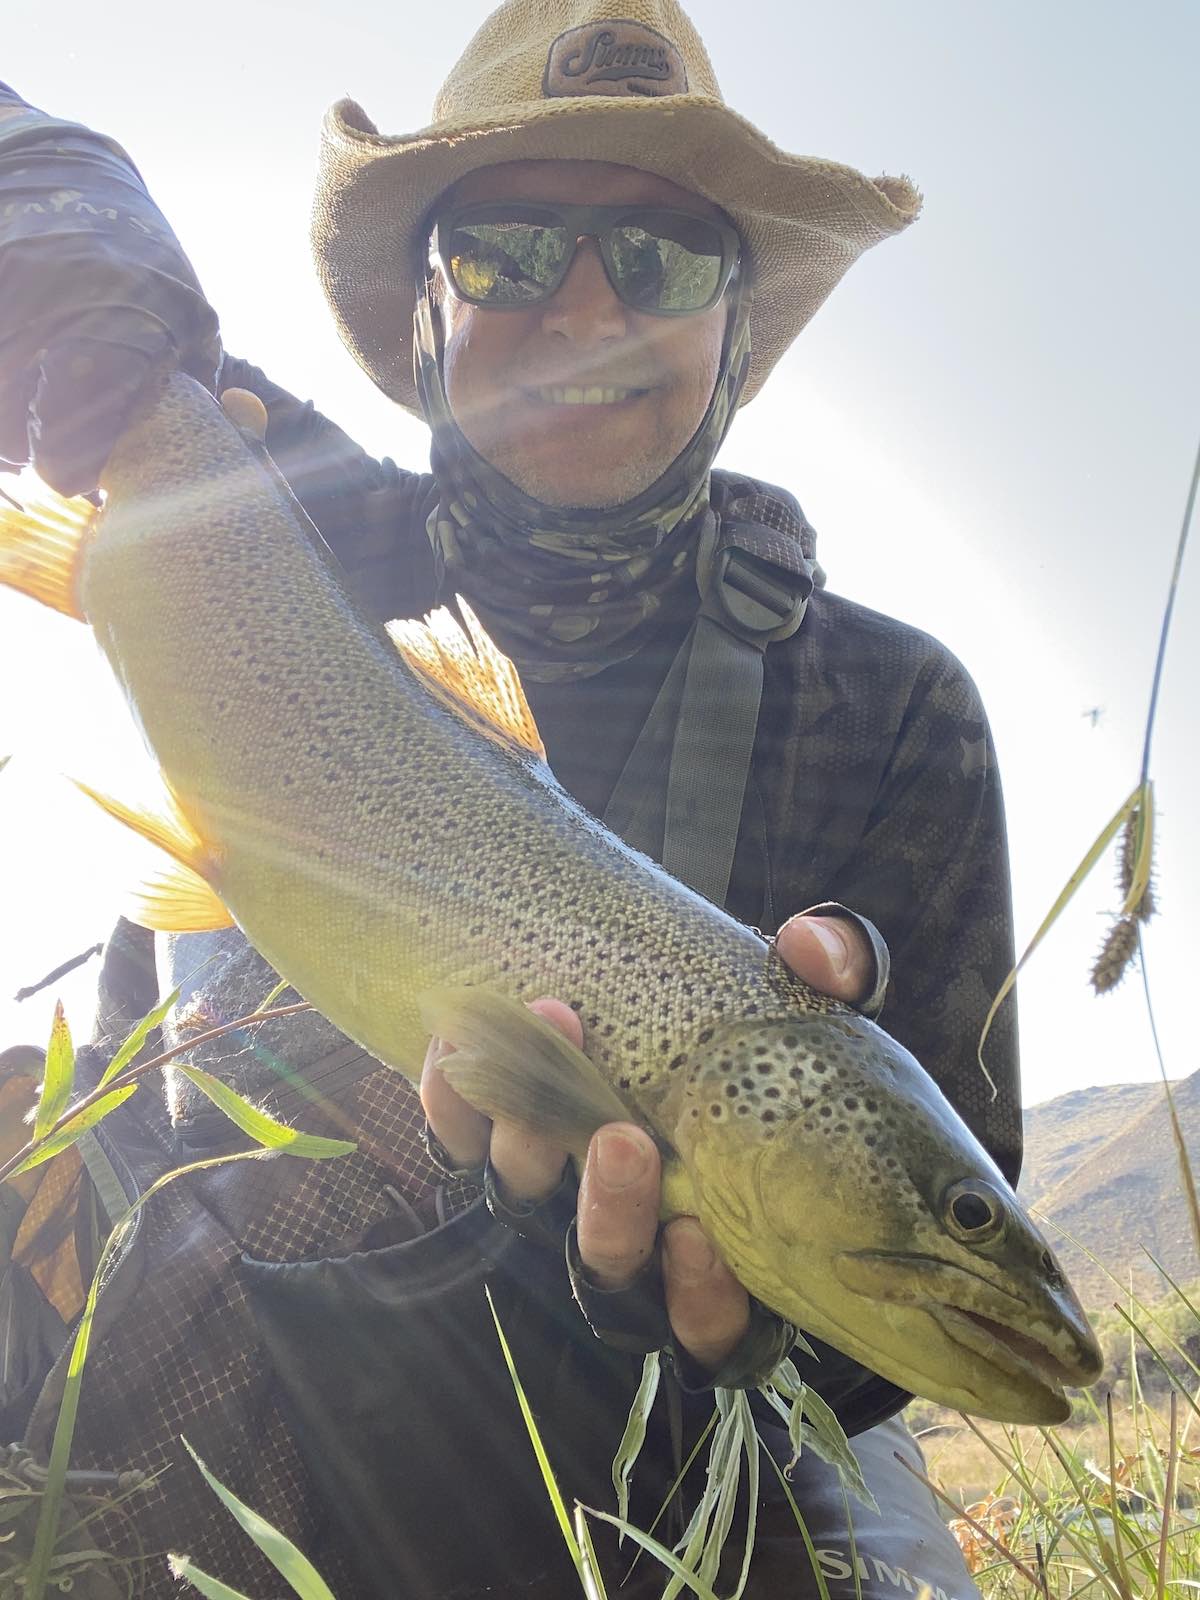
[681,793]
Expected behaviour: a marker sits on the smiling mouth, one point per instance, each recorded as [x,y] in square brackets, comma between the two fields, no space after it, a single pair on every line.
[576,395]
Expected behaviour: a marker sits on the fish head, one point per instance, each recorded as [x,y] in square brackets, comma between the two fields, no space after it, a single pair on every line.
[848,1195]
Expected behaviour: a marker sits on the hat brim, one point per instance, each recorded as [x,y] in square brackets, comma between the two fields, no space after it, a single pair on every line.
[804,221]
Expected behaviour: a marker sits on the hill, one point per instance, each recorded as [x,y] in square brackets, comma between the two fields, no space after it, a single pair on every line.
[1100,1165]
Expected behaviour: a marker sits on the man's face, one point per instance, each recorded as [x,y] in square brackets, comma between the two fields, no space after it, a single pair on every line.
[506,371]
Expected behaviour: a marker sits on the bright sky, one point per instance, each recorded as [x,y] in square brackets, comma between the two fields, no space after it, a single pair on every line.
[991,423]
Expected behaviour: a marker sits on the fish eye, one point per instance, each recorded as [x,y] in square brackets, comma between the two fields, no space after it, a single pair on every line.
[973,1211]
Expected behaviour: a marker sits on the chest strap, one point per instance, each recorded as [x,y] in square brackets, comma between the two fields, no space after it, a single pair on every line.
[680,796]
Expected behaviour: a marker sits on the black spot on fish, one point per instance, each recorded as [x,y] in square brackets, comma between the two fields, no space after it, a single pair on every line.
[767,1116]
[675,1063]
[731,1091]
[850,1103]
[825,1111]
[818,1065]
[772,1093]
[704,1035]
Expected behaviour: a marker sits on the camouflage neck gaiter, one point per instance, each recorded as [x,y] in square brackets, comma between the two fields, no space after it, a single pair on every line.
[567,592]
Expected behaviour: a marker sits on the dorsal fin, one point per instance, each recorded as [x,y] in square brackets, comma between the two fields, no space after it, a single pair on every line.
[467,672]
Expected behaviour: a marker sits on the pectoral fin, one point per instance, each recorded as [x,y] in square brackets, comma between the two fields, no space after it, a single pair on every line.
[178,895]
[511,1063]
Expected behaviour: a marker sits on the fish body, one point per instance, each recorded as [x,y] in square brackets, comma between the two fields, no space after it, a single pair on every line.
[409,869]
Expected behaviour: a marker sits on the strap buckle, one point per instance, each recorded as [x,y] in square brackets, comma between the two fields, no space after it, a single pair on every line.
[749,590]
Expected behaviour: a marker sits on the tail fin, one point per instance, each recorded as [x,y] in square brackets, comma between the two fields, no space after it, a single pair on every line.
[41,546]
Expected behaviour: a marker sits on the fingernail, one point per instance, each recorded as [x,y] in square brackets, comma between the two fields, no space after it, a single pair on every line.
[833,941]
[619,1160]
[689,1252]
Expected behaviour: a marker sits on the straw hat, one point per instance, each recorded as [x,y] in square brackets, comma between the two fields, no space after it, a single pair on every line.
[626,81]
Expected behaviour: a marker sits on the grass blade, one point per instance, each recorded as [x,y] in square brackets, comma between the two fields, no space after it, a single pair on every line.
[660,1553]
[302,1577]
[634,1436]
[593,1582]
[259,1126]
[1099,845]
[212,1588]
[58,1075]
[539,1450]
[50,1510]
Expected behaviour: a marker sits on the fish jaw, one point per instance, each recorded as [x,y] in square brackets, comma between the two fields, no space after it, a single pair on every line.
[990,1352]
[841,1187]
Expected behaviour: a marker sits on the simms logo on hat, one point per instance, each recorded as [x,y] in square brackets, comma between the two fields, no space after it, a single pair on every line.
[614,57]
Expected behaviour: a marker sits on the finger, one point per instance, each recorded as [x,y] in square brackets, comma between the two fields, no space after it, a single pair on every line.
[829,953]
[244,408]
[463,1131]
[708,1309]
[529,1168]
[618,1205]
[84,395]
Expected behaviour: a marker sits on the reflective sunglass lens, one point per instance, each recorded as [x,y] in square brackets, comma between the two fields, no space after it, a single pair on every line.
[670,265]
[658,261]
[505,263]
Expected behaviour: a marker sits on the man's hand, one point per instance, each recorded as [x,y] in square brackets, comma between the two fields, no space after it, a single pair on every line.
[619,1190]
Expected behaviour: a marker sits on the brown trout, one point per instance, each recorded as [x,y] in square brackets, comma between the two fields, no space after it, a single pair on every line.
[376,814]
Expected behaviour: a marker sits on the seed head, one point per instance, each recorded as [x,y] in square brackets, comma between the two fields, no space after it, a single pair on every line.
[1116,953]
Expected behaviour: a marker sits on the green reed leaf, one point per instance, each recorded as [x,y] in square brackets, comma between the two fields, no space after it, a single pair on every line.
[137,1039]
[58,1075]
[70,1131]
[260,1127]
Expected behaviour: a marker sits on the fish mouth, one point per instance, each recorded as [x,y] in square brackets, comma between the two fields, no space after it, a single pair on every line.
[1023,1355]
[1040,1348]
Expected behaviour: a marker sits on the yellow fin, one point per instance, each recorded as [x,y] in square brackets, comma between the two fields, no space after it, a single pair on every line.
[177,900]
[40,549]
[178,896]
[466,672]
[511,1063]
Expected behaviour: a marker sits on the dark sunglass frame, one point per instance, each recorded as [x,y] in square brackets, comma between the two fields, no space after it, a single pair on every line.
[580,222]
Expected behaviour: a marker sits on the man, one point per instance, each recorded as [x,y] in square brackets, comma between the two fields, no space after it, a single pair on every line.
[599,262]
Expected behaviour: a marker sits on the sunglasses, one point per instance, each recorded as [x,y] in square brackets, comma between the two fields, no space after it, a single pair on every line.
[510,255]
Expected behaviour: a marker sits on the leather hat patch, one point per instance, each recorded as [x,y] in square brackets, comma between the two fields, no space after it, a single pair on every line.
[614,57]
